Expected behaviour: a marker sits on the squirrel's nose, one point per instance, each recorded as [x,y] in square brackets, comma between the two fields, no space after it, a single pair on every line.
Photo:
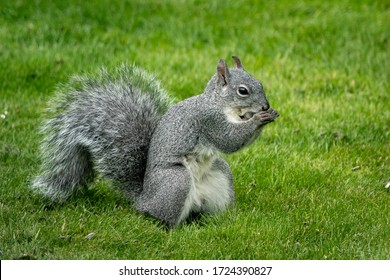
[265,107]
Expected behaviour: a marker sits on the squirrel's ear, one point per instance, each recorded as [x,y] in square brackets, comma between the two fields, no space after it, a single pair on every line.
[237,62]
[223,72]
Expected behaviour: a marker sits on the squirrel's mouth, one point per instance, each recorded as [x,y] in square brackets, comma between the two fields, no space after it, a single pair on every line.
[246,116]
[239,114]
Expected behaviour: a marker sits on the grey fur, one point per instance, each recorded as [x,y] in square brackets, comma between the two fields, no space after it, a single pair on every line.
[163,159]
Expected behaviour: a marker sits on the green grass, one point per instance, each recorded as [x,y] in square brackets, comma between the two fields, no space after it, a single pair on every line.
[312,186]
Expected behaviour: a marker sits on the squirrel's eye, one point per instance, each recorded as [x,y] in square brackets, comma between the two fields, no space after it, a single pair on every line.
[243,91]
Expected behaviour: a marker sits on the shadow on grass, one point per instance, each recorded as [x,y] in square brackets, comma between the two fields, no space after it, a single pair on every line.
[93,198]
[101,200]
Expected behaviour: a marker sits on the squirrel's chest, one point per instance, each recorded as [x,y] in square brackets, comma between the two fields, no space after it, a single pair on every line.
[199,162]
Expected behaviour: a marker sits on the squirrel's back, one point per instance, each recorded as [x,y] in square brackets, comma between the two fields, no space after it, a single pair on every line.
[102,122]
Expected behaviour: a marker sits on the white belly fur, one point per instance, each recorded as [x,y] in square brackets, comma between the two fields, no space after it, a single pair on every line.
[210,187]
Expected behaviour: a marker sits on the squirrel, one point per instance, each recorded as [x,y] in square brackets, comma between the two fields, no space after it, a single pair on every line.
[165,158]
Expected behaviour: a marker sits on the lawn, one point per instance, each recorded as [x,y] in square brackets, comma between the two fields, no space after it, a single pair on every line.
[313,186]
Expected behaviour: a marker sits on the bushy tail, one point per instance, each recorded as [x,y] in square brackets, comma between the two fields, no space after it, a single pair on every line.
[100,122]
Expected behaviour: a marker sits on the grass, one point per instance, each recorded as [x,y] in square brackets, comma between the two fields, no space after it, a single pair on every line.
[312,186]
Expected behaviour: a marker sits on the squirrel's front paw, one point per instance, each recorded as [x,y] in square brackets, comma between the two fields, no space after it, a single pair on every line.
[273,113]
[265,117]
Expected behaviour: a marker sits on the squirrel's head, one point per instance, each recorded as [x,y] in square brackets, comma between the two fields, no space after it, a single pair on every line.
[241,94]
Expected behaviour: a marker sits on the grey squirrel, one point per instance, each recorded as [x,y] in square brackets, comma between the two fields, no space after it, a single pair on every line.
[163,157]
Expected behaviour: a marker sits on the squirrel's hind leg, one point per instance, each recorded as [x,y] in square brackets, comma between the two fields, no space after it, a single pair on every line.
[164,194]
[172,194]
